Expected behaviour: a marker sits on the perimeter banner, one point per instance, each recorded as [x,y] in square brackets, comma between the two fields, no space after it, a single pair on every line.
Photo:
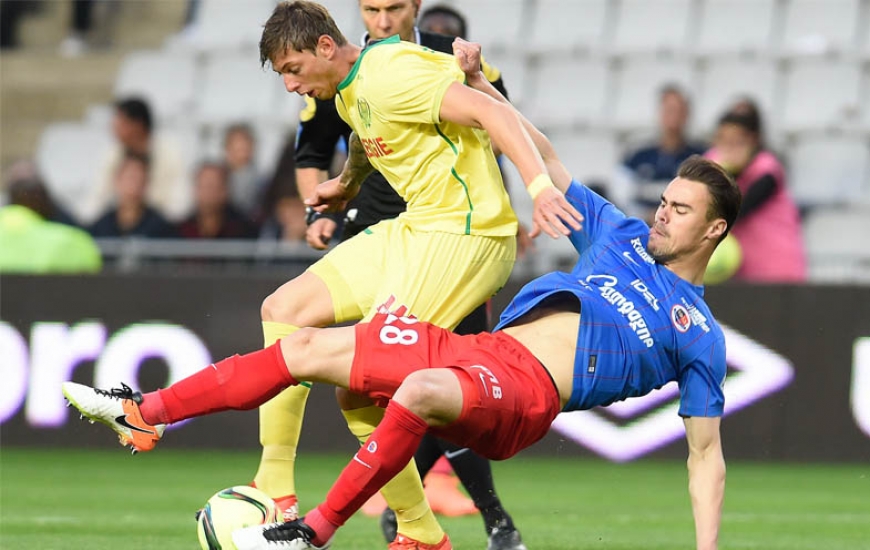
[798,386]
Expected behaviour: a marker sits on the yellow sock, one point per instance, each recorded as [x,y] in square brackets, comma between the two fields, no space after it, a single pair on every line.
[404,493]
[280,426]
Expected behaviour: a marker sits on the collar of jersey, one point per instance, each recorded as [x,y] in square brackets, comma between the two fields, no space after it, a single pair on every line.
[353,70]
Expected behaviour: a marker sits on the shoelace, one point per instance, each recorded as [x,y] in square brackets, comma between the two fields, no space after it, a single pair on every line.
[124,392]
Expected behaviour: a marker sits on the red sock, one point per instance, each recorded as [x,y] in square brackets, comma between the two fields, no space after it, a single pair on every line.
[384,454]
[240,382]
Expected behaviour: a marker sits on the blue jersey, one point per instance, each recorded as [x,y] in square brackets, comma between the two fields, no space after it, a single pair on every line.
[641,326]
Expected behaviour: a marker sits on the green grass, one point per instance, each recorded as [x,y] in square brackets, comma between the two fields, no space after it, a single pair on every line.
[74,499]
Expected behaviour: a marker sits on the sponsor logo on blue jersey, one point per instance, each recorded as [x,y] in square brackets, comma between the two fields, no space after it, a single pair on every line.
[626,308]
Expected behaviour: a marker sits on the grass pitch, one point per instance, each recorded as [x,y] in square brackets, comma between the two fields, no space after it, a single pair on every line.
[94,500]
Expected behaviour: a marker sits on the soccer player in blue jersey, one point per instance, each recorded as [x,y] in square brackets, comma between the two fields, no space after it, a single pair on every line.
[626,320]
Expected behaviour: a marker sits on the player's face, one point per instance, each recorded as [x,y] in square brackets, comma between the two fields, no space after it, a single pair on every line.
[308,73]
[681,225]
[384,18]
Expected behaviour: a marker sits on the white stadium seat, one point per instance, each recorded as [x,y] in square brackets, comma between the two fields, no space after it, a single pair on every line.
[69,156]
[820,93]
[228,24]
[494,23]
[347,17]
[235,87]
[591,157]
[570,91]
[726,79]
[652,25]
[720,19]
[638,83]
[560,25]
[815,26]
[826,169]
[514,73]
[166,80]
[838,250]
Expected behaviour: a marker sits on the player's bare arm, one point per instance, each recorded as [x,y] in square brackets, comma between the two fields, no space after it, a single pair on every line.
[307,180]
[468,56]
[333,194]
[463,105]
[706,478]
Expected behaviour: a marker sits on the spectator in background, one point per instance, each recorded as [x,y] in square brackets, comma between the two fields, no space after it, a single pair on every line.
[26,170]
[81,20]
[214,216]
[768,227]
[11,13]
[287,222]
[246,183]
[646,171]
[133,128]
[443,20]
[31,243]
[132,216]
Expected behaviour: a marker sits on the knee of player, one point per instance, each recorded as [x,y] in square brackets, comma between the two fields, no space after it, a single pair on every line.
[429,395]
[272,309]
[296,349]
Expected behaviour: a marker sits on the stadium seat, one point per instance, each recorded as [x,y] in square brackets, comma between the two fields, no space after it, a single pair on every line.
[560,25]
[825,169]
[166,80]
[235,87]
[720,18]
[836,243]
[638,82]
[230,24]
[820,93]
[185,136]
[725,79]
[494,23]
[514,71]
[591,157]
[817,26]
[570,92]
[347,17]
[652,25]
[69,156]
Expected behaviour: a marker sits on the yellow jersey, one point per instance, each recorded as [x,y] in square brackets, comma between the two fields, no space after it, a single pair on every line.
[446,172]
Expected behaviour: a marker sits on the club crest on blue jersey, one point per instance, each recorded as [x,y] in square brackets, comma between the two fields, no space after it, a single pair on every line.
[680,318]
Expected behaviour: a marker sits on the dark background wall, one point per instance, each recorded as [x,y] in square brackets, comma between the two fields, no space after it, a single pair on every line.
[161,326]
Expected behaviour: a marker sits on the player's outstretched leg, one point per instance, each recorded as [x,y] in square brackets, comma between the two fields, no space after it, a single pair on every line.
[118,409]
[426,398]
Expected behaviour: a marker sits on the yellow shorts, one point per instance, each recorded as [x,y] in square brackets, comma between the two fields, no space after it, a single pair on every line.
[440,277]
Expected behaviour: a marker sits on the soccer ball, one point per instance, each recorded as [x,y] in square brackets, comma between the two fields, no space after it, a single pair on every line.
[231,509]
[724,262]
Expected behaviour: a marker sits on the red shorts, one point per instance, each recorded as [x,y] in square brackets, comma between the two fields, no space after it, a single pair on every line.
[509,399]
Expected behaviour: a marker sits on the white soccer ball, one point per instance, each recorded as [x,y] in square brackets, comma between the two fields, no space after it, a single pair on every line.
[231,509]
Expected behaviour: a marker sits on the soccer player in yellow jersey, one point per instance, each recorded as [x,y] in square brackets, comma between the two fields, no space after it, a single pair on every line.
[430,136]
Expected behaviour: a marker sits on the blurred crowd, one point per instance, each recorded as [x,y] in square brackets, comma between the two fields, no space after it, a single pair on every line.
[144,190]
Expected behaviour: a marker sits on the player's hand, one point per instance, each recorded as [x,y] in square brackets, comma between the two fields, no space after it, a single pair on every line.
[320,232]
[467,56]
[554,215]
[330,196]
